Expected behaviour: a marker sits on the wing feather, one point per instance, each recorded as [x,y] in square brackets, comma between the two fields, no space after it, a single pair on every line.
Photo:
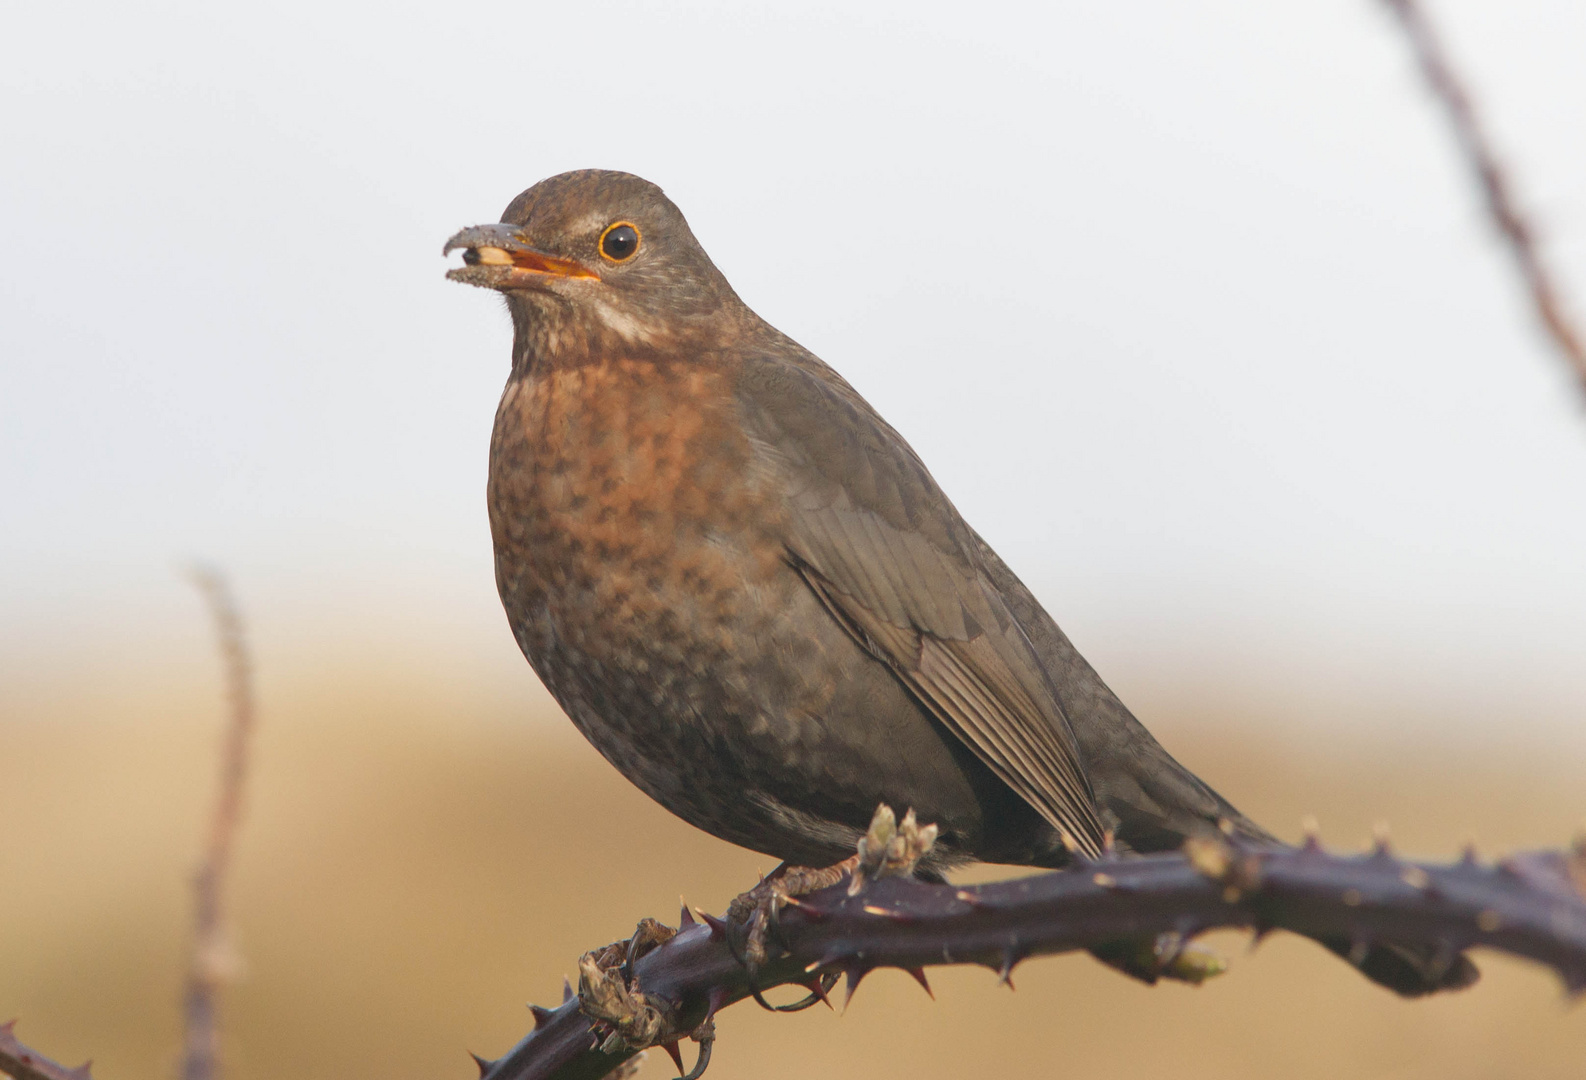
[890,558]
[970,690]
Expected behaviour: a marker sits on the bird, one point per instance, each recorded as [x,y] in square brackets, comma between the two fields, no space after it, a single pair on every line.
[747,591]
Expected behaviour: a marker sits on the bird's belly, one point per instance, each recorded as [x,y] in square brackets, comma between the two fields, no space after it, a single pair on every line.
[642,572]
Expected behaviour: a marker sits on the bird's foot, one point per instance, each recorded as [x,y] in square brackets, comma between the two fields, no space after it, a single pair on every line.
[753,914]
[1166,956]
[648,935]
[625,1018]
[890,848]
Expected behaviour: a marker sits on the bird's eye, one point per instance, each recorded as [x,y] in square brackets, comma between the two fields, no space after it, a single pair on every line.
[619,242]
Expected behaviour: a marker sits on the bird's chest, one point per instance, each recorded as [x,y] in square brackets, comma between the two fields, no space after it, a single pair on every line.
[633,545]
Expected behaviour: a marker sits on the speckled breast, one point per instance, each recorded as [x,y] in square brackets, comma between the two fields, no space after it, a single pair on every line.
[638,562]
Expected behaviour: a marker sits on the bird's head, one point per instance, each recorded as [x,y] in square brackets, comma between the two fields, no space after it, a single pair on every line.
[588,256]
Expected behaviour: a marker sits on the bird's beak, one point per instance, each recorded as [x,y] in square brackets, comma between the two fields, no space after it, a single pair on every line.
[500,257]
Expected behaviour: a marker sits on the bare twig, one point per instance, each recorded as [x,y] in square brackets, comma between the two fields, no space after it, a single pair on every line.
[22,1063]
[1496,185]
[213,960]
[1531,905]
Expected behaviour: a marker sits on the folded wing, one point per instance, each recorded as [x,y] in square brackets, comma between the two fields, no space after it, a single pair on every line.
[893,562]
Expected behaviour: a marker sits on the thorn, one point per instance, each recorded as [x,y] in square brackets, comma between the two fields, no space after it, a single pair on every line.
[485,1064]
[1468,856]
[1313,833]
[815,987]
[1380,846]
[684,921]
[717,1000]
[888,913]
[830,958]
[541,1015]
[919,977]
[567,990]
[1258,933]
[1005,975]
[810,911]
[718,927]
[852,976]
[674,1053]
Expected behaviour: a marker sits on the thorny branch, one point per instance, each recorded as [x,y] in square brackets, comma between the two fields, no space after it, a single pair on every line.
[1512,224]
[664,984]
[213,960]
[23,1063]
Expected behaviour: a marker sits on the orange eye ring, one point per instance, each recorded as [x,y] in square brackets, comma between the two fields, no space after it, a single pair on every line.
[620,241]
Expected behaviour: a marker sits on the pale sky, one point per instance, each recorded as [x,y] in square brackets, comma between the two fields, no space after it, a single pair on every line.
[1190,306]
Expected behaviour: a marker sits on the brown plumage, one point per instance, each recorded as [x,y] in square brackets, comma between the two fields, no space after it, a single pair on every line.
[749,594]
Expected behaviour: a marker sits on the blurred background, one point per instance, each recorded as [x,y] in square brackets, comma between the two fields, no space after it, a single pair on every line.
[1190,306]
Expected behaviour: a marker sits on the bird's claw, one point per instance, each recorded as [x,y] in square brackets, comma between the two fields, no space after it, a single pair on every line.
[648,935]
[625,1018]
[631,1020]
[890,848]
[753,914]
[705,1035]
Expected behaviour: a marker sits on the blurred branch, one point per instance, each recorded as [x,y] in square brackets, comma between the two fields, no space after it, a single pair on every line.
[22,1063]
[213,961]
[1495,183]
[1531,905]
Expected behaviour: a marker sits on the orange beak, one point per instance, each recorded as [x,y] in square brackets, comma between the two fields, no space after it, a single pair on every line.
[500,257]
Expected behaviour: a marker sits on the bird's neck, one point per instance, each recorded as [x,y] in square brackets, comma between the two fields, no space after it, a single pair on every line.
[550,333]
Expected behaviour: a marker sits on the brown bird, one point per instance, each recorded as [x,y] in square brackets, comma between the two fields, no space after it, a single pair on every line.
[747,591]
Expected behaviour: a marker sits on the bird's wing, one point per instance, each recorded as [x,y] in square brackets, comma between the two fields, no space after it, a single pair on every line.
[891,559]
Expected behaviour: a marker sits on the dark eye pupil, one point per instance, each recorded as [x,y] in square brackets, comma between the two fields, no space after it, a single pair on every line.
[620,242]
